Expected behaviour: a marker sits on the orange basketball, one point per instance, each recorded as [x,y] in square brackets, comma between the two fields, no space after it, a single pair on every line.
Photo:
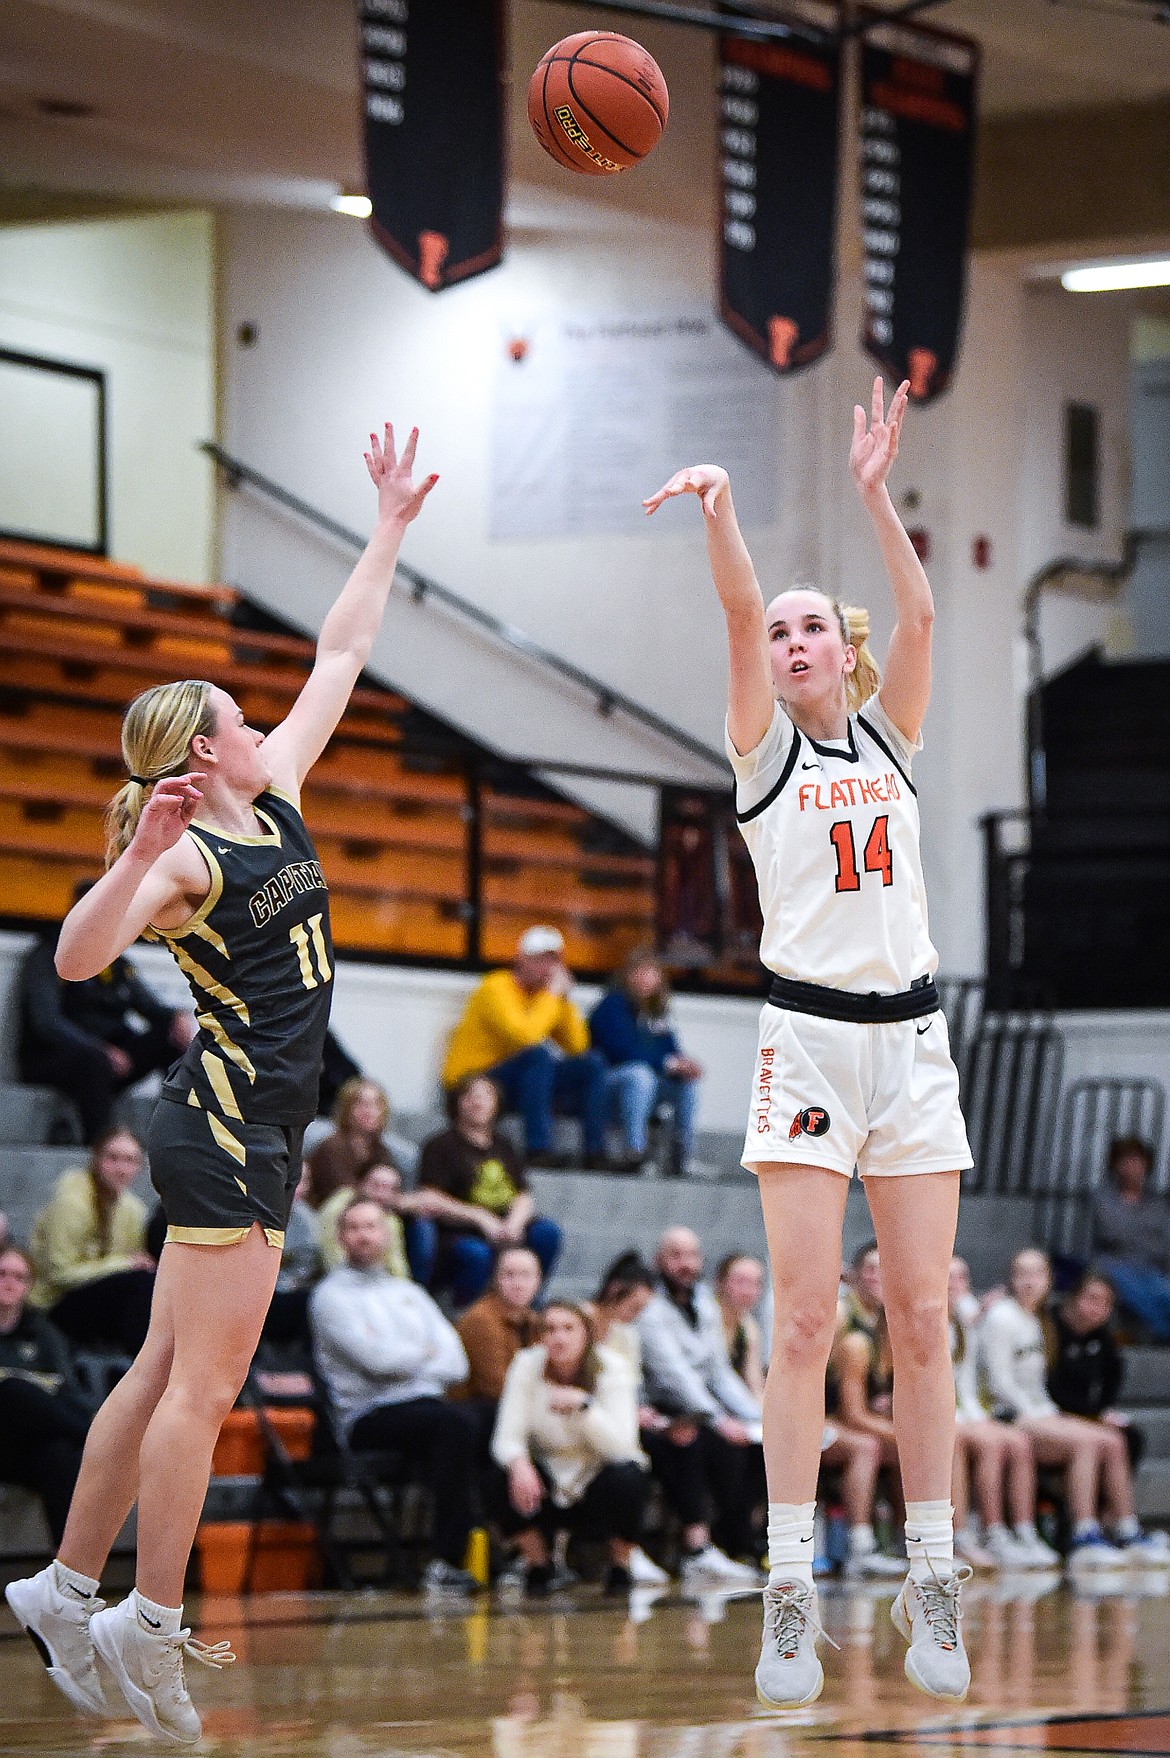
[597,103]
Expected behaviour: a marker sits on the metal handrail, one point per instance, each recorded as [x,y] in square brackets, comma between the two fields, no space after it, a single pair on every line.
[608,700]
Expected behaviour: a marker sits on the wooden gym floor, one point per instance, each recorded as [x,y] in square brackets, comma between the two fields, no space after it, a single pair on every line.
[383,1676]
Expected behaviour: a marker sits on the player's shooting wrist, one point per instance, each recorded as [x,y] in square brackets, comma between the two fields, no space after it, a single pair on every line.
[877,501]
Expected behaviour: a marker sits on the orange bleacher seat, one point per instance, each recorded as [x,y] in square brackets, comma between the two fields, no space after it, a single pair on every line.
[79,637]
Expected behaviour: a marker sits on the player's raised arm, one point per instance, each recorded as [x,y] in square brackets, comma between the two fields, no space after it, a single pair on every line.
[154,877]
[750,697]
[905,690]
[347,634]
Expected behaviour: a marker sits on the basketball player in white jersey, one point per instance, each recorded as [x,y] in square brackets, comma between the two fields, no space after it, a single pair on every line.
[854,1066]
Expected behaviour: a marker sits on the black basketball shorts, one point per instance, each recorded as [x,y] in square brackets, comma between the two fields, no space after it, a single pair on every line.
[217,1178]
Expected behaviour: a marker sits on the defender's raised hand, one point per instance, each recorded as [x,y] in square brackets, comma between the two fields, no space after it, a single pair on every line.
[875,446]
[398,497]
[706,480]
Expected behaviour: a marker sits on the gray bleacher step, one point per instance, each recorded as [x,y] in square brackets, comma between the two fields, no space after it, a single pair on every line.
[28,1114]
[1154,1423]
[1147,1377]
[1152,1490]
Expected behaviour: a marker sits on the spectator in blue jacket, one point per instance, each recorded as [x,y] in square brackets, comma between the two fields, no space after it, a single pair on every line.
[646,1066]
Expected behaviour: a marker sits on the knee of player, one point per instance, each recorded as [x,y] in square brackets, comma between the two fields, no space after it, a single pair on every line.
[210,1390]
[918,1328]
[804,1331]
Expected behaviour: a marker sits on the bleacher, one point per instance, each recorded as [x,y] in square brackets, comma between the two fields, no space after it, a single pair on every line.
[389,803]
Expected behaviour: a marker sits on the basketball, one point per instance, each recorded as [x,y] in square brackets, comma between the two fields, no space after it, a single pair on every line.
[598,103]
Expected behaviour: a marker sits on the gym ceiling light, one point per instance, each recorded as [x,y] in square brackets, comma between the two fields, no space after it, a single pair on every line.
[1111,277]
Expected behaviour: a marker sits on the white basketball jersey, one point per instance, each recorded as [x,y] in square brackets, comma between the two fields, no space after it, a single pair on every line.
[833,835]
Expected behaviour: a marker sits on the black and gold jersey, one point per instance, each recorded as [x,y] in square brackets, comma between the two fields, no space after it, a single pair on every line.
[259,958]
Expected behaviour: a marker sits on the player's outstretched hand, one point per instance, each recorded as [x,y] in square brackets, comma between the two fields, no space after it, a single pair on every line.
[875,445]
[706,480]
[172,805]
[398,497]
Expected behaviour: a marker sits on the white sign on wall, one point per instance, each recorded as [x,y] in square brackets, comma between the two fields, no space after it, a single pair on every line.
[600,410]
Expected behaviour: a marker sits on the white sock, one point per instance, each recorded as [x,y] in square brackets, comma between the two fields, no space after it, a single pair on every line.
[1086,1529]
[157,1620]
[72,1584]
[862,1542]
[930,1539]
[1026,1529]
[1128,1528]
[790,1542]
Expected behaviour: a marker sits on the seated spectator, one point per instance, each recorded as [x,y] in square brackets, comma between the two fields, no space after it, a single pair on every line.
[472,1178]
[1086,1364]
[301,1265]
[1093,1455]
[647,1068]
[382,1185]
[93,1272]
[361,1112]
[711,1467]
[624,1293]
[1131,1236]
[739,1288]
[91,1040]
[493,1331]
[521,1028]
[992,1457]
[43,1421]
[337,1067]
[388,1356]
[566,1448]
[859,1401]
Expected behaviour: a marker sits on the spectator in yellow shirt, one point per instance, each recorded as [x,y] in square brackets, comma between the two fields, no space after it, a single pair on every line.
[521,1028]
[94,1275]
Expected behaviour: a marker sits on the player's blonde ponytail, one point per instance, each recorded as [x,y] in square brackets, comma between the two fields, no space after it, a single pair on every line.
[156,742]
[865,679]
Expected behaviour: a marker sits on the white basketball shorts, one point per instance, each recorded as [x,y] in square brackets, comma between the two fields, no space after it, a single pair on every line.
[832,1093]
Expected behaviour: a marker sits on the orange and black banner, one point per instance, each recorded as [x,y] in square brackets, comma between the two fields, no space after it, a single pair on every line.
[918,102]
[433,81]
[779,116]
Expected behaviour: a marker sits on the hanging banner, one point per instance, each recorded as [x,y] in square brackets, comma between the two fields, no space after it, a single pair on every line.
[433,80]
[779,104]
[918,98]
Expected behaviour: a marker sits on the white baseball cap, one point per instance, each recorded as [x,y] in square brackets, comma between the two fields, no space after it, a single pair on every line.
[534,941]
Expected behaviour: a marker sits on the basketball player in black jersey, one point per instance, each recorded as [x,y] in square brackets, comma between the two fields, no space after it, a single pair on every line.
[207,852]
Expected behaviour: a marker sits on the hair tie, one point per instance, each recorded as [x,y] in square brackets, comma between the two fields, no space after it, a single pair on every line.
[142,780]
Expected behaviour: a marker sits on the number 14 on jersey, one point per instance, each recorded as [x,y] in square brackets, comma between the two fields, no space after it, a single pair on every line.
[877,856]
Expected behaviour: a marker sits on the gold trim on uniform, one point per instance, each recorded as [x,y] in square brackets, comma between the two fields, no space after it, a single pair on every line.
[231,1050]
[193,1099]
[221,1086]
[289,799]
[231,1144]
[242,1185]
[208,1235]
[223,1235]
[214,894]
[206,932]
[204,980]
[271,839]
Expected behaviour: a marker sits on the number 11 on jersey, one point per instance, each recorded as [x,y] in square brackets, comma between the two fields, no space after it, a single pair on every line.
[877,858]
[299,934]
